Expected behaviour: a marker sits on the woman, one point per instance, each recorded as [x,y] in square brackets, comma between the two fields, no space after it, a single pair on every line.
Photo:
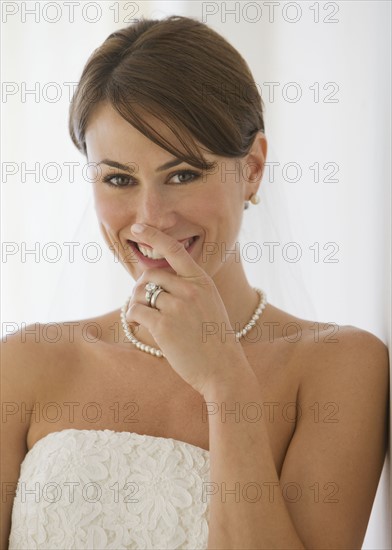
[217,431]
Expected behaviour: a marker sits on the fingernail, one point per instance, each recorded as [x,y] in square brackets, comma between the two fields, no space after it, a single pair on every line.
[137,228]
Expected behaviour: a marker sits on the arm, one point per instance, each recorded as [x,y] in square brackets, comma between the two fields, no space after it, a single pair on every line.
[347,454]
[16,389]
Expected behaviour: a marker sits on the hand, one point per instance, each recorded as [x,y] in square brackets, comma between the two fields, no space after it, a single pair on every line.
[190,301]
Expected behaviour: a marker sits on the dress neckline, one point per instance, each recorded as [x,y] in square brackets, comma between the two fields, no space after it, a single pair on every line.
[107,430]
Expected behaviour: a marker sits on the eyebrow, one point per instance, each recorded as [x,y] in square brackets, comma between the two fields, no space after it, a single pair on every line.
[131,170]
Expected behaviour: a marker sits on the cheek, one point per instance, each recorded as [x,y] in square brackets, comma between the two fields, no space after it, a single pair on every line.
[226,204]
[111,212]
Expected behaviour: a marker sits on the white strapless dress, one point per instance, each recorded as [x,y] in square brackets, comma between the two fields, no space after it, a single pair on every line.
[102,489]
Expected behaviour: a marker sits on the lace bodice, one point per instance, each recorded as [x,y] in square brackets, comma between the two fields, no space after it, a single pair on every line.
[101,489]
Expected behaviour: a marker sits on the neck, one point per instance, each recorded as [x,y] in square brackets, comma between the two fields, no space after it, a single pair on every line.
[237,294]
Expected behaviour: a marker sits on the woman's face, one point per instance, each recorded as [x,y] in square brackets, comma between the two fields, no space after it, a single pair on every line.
[182,201]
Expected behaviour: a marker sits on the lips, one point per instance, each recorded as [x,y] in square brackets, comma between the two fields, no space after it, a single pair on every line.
[148,246]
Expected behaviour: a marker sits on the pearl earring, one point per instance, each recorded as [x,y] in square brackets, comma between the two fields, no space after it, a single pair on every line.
[254,199]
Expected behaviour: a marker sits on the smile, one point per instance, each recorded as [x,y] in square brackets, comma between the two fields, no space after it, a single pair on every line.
[148,255]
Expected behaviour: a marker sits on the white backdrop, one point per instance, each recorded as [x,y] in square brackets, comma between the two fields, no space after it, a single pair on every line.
[324,71]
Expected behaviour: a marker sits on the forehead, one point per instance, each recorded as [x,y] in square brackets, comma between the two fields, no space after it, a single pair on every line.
[108,133]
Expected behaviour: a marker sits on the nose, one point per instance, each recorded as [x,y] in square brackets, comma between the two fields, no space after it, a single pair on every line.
[155,207]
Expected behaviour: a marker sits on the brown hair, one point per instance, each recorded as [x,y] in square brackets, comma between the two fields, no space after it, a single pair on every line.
[180,71]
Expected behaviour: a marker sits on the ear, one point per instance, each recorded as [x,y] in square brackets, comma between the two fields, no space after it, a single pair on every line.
[253,164]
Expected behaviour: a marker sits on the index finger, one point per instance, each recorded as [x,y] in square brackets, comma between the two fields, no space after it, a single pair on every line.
[174,252]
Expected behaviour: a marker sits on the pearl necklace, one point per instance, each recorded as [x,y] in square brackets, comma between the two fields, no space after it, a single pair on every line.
[158,353]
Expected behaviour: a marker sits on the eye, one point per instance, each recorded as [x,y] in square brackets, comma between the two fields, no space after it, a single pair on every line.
[189,173]
[123,180]
[108,179]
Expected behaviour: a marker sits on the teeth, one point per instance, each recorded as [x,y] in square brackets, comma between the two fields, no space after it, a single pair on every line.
[154,255]
[150,253]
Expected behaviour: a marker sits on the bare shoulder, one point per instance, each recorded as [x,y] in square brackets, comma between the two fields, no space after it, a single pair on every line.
[341,434]
[344,374]
[322,348]
[38,352]
[22,359]
[32,347]
[342,352]
[21,370]
[32,359]
[336,366]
